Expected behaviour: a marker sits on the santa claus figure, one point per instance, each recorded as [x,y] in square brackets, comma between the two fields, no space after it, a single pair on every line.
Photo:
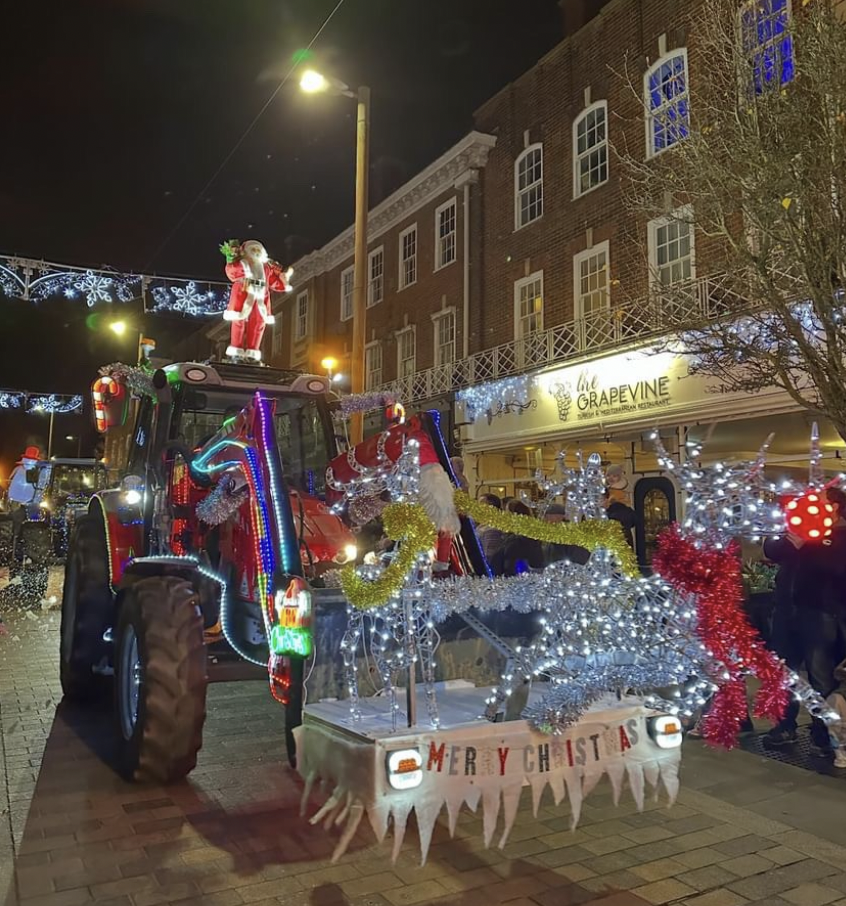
[255,276]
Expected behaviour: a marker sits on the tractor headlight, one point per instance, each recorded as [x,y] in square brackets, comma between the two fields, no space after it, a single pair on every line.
[44,504]
[666,731]
[133,490]
[350,552]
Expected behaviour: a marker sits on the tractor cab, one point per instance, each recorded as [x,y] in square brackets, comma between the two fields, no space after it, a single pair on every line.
[204,553]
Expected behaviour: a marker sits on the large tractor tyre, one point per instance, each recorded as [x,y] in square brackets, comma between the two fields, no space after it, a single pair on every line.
[294,707]
[160,680]
[87,612]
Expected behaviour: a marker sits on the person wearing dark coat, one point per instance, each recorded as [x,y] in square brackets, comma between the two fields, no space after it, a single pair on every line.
[519,553]
[621,512]
[554,553]
[491,538]
[809,623]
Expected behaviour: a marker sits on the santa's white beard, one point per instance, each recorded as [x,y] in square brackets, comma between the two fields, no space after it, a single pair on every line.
[436,498]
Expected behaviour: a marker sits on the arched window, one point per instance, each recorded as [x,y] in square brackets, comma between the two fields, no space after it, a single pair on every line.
[590,149]
[528,186]
[665,89]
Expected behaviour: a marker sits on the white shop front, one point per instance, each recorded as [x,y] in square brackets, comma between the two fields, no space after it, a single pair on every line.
[611,406]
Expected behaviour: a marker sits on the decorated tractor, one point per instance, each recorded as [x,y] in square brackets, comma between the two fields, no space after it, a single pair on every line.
[199,557]
[64,496]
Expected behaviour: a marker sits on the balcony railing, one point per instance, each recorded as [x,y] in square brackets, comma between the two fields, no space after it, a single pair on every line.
[658,314]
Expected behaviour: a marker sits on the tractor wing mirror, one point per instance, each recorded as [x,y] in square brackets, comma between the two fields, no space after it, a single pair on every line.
[32,476]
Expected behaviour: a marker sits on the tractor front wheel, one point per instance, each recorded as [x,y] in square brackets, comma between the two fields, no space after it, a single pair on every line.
[160,680]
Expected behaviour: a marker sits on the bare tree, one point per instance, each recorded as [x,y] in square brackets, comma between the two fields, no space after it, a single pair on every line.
[757,166]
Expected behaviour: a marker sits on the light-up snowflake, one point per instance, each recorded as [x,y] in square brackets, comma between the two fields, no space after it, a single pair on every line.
[95,288]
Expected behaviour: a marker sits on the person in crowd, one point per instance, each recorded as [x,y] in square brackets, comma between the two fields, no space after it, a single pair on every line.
[809,623]
[556,513]
[837,702]
[519,553]
[491,538]
[617,509]
[457,464]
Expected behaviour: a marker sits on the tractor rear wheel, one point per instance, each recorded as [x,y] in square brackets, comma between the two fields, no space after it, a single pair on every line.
[87,611]
[160,680]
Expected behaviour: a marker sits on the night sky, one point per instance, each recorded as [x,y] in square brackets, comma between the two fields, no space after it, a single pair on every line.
[118,112]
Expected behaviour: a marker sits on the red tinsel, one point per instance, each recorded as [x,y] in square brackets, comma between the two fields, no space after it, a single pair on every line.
[713,577]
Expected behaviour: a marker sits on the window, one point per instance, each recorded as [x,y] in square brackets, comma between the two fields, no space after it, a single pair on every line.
[528,186]
[347,282]
[372,366]
[767,44]
[590,270]
[444,323]
[528,305]
[277,339]
[590,148]
[406,352]
[408,257]
[445,228]
[376,277]
[671,249]
[667,109]
[301,317]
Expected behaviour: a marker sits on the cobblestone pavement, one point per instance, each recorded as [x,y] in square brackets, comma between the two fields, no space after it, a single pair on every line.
[745,829]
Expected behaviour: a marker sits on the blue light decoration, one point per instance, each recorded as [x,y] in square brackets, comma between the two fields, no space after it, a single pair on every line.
[50,403]
[36,281]
[767,43]
[188,299]
[669,112]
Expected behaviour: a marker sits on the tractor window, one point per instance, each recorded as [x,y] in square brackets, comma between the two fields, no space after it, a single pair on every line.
[300,434]
[302,439]
[77,480]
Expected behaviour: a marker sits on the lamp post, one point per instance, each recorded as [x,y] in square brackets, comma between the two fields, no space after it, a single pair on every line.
[145,344]
[313,83]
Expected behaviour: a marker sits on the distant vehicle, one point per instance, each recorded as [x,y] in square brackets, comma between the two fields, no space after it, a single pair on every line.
[65,495]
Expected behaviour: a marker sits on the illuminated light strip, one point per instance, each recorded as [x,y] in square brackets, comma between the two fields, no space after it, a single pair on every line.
[224,596]
[290,559]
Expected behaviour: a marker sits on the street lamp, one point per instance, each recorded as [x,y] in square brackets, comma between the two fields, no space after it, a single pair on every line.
[329,364]
[145,344]
[312,82]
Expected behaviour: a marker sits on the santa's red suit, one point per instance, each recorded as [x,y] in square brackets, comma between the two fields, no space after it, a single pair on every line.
[435,488]
[249,310]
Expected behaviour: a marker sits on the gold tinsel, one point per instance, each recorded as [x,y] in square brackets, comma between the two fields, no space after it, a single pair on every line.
[405,522]
[590,534]
[409,524]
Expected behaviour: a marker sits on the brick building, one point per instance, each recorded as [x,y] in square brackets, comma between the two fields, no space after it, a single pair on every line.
[421,259]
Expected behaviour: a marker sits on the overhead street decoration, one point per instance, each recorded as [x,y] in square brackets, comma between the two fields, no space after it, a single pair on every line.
[36,281]
[55,403]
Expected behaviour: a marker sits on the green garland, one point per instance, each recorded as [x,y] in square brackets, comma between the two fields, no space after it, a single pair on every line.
[591,534]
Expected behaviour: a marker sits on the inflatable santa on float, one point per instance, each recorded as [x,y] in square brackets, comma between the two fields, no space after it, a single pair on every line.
[255,276]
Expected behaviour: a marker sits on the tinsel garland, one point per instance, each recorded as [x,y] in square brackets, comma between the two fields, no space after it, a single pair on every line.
[404,522]
[138,378]
[364,402]
[220,503]
[592,534]
[713,577]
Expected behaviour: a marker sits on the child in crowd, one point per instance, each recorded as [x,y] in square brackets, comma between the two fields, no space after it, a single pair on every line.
[837,701]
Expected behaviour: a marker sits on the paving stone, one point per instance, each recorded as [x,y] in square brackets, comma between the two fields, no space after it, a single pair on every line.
[659,869]
[707,877]
[664,891]
[742,846]
[810,895]
[717,898]
[744,866]
[777,880]
[424,892]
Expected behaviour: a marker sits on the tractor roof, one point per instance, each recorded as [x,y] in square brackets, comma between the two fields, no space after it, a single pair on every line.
[247,377]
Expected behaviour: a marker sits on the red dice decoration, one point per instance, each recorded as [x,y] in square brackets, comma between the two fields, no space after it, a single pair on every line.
[809,516]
